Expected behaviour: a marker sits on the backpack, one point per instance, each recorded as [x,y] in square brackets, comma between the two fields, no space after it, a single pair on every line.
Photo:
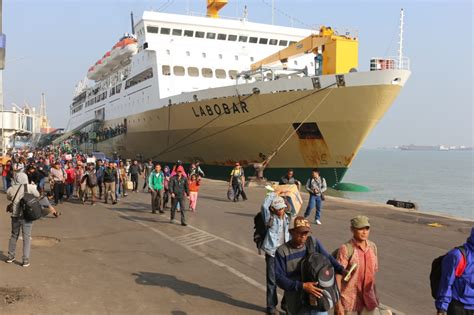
[436,269]
[315,267]
[260,229]
[30,206]
[92,179]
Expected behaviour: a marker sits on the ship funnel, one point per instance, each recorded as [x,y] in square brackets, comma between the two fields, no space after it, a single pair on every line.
[214,6]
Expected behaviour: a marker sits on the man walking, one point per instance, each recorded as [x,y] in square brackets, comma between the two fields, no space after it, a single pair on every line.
[147,169]
[179,190]
[277,222]
[288,268]
[99,171]
[134,172]
[237,182]
[289,179]
[14,194]
[110,174]
[316,186]
[358,295]
[456,286]
[156,184]
[57,178]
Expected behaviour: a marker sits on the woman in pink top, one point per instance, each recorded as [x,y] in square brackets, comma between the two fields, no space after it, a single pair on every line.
[79,170]
[70,180]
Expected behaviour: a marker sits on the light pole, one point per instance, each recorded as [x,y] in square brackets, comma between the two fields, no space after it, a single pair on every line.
[2,66]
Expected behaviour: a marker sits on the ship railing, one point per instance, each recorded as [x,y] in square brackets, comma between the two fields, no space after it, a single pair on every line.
[389,63]
[270,74]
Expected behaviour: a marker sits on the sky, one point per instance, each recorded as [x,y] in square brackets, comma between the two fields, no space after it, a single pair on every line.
[52,43]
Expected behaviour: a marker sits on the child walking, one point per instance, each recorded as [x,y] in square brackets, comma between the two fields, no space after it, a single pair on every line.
[194,184]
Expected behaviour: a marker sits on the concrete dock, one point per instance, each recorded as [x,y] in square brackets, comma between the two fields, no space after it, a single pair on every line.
[122,259]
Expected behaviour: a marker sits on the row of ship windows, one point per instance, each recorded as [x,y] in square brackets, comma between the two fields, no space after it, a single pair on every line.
[218,36]
[194,72]
[142,76]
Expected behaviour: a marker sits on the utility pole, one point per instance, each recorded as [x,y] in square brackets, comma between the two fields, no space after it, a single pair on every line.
[2,66]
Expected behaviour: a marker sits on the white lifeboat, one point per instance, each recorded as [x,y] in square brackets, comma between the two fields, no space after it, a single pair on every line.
[125,48]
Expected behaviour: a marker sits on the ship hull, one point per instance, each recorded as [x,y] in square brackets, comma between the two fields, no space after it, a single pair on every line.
[311,128]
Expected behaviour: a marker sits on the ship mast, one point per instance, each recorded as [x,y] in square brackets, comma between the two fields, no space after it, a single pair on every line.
[400,42]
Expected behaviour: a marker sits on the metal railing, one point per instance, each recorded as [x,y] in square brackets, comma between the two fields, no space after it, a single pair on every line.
[389,63]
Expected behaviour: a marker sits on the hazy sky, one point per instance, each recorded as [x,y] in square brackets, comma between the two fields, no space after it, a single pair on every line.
[51,44]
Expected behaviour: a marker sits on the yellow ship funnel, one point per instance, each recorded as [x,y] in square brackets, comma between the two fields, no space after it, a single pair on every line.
[214,6]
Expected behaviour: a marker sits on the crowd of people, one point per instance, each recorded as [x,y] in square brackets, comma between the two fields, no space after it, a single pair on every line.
[314,281]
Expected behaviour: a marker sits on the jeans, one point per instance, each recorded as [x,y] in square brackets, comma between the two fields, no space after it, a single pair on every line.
[58,189]
[238,190]
[157,200]
[314,201]
[5,187]
[272,299]
[26,227]
[41,184]
[69,189]
[457,308]
[134,178]
[100,184]
[175,201]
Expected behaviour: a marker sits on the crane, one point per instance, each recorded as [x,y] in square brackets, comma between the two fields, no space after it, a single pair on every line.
[334,53]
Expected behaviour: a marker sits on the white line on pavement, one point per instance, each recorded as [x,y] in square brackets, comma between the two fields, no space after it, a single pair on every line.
[197,253]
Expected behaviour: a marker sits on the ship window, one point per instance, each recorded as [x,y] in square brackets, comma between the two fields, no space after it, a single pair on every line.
[178,71]
[263,41]
[291,43]
[204,55]
[188,53]
[220,56]
[112,91]
[193,71]
[308,131]
[243,39]
[236,57]
[165,31]
[118,87]
[296,62]
[188,33]
[220,74]
[206,72]
[232,74]
[253,40]
[283,42]
[232,38]
[199,34]
[177,32]
[222,36]
[166,70]
[251,59]
[152,29]
[273,41]
[211,35]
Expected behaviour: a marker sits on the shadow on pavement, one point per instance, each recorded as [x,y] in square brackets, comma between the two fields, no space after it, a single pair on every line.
[214,198]
[188,288]
[241,214]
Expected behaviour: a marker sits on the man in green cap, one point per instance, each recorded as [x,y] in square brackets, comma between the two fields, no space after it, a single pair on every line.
[359,257]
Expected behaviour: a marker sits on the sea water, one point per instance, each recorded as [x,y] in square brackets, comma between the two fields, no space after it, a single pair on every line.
[437,181]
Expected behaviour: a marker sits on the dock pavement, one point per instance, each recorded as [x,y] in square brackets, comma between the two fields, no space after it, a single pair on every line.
[122,259]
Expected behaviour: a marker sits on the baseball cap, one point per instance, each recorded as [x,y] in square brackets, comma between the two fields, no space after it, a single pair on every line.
[360,221]
[278,203]
[300,224]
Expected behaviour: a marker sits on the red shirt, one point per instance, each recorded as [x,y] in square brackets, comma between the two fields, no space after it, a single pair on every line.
[359,292]
[194,185]
[70,176]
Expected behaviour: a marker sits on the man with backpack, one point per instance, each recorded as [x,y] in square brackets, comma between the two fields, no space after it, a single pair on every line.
[91,180]
[110,174]
[276,231]
[99,171]
[15,194]
[289,272]
[455,292]
[358,295]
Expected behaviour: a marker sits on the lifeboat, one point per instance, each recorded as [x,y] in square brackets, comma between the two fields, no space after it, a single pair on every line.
[119,54]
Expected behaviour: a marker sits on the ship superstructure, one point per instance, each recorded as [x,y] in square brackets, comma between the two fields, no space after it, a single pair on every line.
[185,89]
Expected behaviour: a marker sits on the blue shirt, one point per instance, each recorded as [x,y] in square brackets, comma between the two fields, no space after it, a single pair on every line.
[457,288]
[272,239]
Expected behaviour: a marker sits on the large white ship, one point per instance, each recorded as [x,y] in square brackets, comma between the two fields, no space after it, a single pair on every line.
[222,91]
